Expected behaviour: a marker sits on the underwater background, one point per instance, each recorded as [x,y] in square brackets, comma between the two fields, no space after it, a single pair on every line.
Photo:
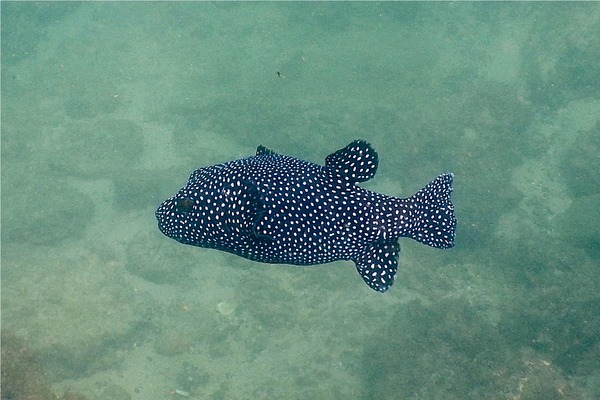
[107,107]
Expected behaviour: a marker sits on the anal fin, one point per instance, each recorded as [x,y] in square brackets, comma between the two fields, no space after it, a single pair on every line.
[377,264]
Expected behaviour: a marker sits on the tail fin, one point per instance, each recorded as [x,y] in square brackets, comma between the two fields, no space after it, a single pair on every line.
[435,223]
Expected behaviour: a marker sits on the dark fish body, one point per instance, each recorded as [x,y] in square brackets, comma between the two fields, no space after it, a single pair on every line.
[277,209]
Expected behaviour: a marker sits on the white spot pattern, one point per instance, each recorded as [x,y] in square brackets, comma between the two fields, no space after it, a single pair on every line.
[278,209]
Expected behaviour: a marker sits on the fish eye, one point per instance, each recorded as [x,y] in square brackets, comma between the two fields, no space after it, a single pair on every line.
[185,205]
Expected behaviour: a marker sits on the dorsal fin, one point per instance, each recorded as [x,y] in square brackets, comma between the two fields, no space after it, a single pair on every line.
[263,150]
[356,162]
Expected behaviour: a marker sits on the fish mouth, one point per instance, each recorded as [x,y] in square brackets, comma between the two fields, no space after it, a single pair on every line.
[173,216]
[162,216]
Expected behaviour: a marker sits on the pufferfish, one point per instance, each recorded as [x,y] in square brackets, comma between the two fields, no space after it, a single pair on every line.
[278,209]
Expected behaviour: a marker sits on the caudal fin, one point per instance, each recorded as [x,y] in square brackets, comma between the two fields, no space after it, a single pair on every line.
[435,223]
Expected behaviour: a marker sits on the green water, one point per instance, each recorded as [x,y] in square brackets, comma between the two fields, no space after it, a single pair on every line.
[107,107]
